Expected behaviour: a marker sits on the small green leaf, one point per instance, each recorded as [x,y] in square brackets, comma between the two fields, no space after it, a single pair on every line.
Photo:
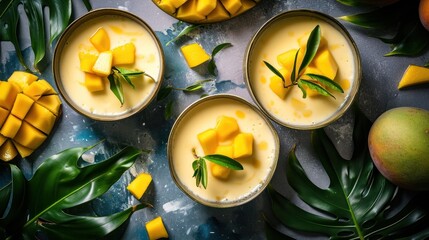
[312,47]
[326,82]
[293,73]
[224,161]
[129,72]
[163,93]
[204,178]
[123,77]
[116,87]
[168,110]
[301,87]
[185,31]
[316,87]
[413,43]
[4,6]
[275,71]
[196,86]
[212,65]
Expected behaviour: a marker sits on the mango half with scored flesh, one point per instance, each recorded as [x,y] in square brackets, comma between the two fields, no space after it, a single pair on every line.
[29,109]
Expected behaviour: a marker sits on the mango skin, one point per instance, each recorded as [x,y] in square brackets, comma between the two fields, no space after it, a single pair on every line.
[399,146]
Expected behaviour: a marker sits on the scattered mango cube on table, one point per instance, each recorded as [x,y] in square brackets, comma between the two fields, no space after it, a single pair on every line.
[139,185]
[155,229]
[194,54]
[414,75]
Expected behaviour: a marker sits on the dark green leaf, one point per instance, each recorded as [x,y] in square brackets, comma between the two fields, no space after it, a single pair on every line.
[212,65]
[363,3]
[4,6]
[316,87]
[34,11]
[122,77]
[203,169]
[325,81]
[195,165]
[224,161]
[185,31]
[59,17]
[163,93]
[129,72]
[196,86]
[116,87]
[301,87]
[293,73]
[168,110]
[275,71]
[312,47]
[413,43]
[87,5]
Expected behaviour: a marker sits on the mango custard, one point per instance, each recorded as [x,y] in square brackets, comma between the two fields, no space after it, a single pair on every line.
[29,109]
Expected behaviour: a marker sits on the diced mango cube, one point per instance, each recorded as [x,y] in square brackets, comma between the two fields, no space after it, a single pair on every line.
[3,115]
[23,151]
[167,6]
[2,139]
[139,185]
[93,83]
[194,54]
[40,118]
[287,59]
[302,42]
[178,3]
[87,59]
[8,151]
[124,54]
[227,128]
[11,126]
[325,62]
[155,229]
[243,145]
[245,5]
[188,12]
[208,140]
[29,136]
[52,103]
[205,7]
[220,171]
[414,75]
[49,88]
[38,89]
[226,150]
[277,85]
[103,65]
[8,92]
[218,14]
[312,70]
[231,5]
[23,79]
[22,105]
[100,40]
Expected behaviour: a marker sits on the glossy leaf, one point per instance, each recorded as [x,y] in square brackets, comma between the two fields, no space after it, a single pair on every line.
[163,93]
[311,49]
[168,112]
[182,33]
[326,82]
[211,67]
[224,161]
[196,86]
[359,202]
[412,43]
[316,87]
[116,87]
[59,183]
[275,71]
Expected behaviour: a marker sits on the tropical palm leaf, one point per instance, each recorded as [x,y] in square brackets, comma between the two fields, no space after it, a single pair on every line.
[359,202]
[60,12]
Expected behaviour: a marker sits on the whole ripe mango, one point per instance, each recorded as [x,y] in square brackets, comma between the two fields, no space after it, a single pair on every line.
[399,146]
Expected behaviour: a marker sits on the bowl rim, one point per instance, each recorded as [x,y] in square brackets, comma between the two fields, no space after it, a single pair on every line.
[177,123]
[93,14]
[349,99]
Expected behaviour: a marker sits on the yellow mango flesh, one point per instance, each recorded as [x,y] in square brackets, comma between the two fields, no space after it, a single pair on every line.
[93,83]
[124,54]
[311,70]
[178,3]
[167,6]
[232,6]
[87,60]
[155,229]
[139,185]
[277,85]
[8,151]
[29,136]
[414,75]
[103,65]
[243,145]
[286,59]
[220,171]
[208,141]
[100,40]
[325,62]
[38,89]
[246,5]
[23,79]
[227,128]
[218,14]
[52,103]
[8,93]
[23,151]
[11,126]
[3,115]
[194,54]
[45,123]
[22,105]
[188,12]
[205,7]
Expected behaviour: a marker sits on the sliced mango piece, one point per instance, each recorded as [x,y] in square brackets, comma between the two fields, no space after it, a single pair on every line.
[23,151]
[93,83]
[2,139]
[124,54]
[325,62]
[194,54]
[29,136]
[11,126]
[227,128]
[52,103]
[22,105]
[41,118]
[277,85]
[232,6]
[8,92]
[37,89]
[155,229]
[178,3]
[100,40]
[287,59]
[87,59]
[8,151]
[3,116]
[245,5]
[208,140]
[167,6]
[218,14]
[243,145]
[23,79]
[139,185]
[50,89]
[103,65]
[188,12]
[205,7]
[220,171]
[414,75]
[312,70]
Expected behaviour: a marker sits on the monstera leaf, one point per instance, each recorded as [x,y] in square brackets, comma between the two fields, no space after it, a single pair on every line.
[359,202]
[59,185]
[400,22]
[59,17]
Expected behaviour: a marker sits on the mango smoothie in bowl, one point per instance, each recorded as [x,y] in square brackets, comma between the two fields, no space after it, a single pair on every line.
[108,64]
[222,151]
[303,69]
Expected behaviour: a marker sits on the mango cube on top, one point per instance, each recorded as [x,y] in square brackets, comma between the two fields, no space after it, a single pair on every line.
[278,86]
[208,140]
[139,185]
[325,62]
[194,54]
[100,40]
[227,128]
[103,64]
[220,171]
[93,83]
[124,54]
[243,145]
[87,59]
